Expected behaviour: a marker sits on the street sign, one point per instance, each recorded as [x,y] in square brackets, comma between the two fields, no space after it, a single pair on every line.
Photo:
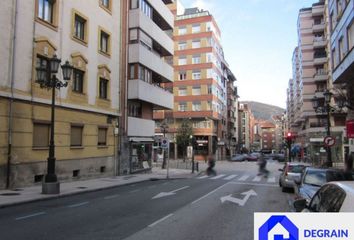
[165,143]
[329,141]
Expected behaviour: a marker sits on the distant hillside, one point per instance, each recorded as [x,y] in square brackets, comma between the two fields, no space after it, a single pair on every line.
[263,111]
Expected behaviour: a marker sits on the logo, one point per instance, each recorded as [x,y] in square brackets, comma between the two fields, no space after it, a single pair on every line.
[281,227]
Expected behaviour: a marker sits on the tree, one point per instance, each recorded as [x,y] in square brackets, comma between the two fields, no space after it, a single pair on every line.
[183,137]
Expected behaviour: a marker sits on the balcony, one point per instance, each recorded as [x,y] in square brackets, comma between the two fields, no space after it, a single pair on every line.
[345,70]
[318,27]
[321,75]
[140,54]
[319,42]
[137,19]
[319,58]
[138,127]
[317,11]
[160,98]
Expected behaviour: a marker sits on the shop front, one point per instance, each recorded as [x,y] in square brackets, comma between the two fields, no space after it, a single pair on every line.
[141,153]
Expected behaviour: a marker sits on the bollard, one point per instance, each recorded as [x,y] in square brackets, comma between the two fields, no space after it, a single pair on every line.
[197,166]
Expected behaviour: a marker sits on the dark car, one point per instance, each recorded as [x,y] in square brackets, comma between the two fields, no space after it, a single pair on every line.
[313,178]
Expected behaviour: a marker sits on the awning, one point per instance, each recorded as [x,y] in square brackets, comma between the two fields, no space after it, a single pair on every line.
[141,139]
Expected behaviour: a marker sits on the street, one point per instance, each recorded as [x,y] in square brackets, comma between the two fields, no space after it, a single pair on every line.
[201,207]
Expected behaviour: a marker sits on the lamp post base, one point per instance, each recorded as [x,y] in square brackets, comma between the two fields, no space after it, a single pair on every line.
[50,188]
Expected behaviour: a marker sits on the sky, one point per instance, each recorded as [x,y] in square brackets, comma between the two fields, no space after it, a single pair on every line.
[258,38]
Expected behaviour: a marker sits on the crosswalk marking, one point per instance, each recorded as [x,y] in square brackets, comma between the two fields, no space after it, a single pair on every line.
[230,177]
[218,176]
[271,180]
[257,179]
[205,176]
[244,177]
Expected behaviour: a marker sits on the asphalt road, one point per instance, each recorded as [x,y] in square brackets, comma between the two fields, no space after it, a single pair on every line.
[202,207]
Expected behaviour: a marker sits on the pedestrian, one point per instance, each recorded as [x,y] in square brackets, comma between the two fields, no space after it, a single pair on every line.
[211,164]
[262,162]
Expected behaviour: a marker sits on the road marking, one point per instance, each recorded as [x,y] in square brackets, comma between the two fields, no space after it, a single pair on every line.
[230,177]
[160,220]
[240,202]
[166,194]
[244,177]
[134,191]
[209,193]
[255,184]
[257,179]
[77,204]
[31,215]
[202,177]
[218,176]
[111,197]
[271,180]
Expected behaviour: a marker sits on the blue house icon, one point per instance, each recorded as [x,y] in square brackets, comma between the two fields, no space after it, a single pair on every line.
[272,222]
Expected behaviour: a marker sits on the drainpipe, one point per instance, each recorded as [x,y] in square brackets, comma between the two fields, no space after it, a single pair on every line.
[11,76]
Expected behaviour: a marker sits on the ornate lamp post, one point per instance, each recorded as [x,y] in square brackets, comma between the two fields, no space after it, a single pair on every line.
[46,78]
[325,109]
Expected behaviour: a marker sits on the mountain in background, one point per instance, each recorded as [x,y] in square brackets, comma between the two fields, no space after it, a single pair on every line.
[262,111]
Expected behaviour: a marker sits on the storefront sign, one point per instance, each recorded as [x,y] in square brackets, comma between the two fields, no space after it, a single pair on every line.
[350,128]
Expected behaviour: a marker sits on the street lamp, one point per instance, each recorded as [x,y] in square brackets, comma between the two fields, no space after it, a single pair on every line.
[46,78]
[164,126]
[325,109]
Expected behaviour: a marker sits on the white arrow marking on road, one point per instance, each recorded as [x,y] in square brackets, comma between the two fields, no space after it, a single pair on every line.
[240,202]
[166,194]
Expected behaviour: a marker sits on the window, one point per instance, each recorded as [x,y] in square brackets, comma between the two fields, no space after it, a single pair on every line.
[182,61]
[42,61]
[182,92]
[196,44]
[196,90]
[196,74]
[102,137]
[134,109]
[196,59]
[182,75]
[196,106]
[182,30]
[210,89]
[133,35]
[106,4]
[145,8]
[341,49]
[195,28]
[78,80]
[103,88]
[334,58]
[145,74]
[333,21]
[46,10]
[182,45]
[350,34]
[182,107]
[76,136]
[104,42]
[41,134]
[80,27]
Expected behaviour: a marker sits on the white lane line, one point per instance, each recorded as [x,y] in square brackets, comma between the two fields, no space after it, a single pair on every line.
[209,193]
[255,184]
[111,197]
[31,215]
[243,178]
[77,204]
[230,177]
[134,191]
[205,176]
[257,179]
[160,220]
[271,180]
[218,176]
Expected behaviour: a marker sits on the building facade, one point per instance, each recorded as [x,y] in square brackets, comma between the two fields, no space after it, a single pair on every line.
[86,33]
[149,71]
[201,78]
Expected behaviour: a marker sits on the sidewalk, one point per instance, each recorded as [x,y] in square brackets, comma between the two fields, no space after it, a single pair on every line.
[33,193]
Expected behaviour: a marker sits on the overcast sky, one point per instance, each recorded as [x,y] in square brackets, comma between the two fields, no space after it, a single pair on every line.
[258,37]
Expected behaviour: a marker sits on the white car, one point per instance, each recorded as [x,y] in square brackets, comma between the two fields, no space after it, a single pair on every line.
[331,197]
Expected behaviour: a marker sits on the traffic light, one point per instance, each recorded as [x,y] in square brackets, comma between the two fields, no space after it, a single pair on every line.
[289,138]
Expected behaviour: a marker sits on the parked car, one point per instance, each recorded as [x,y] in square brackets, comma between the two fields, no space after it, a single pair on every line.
[313,178]
[331,197]
[253,156]
[279,156]
[291,172]
[238,157]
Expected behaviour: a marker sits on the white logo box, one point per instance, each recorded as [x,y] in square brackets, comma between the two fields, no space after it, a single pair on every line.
[310,226]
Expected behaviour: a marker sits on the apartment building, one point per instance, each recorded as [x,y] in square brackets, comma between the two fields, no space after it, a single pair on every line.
[244,127]
[311,78]
[86,33]
[149,52]
[268,136]
[201,77]
[341,39]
